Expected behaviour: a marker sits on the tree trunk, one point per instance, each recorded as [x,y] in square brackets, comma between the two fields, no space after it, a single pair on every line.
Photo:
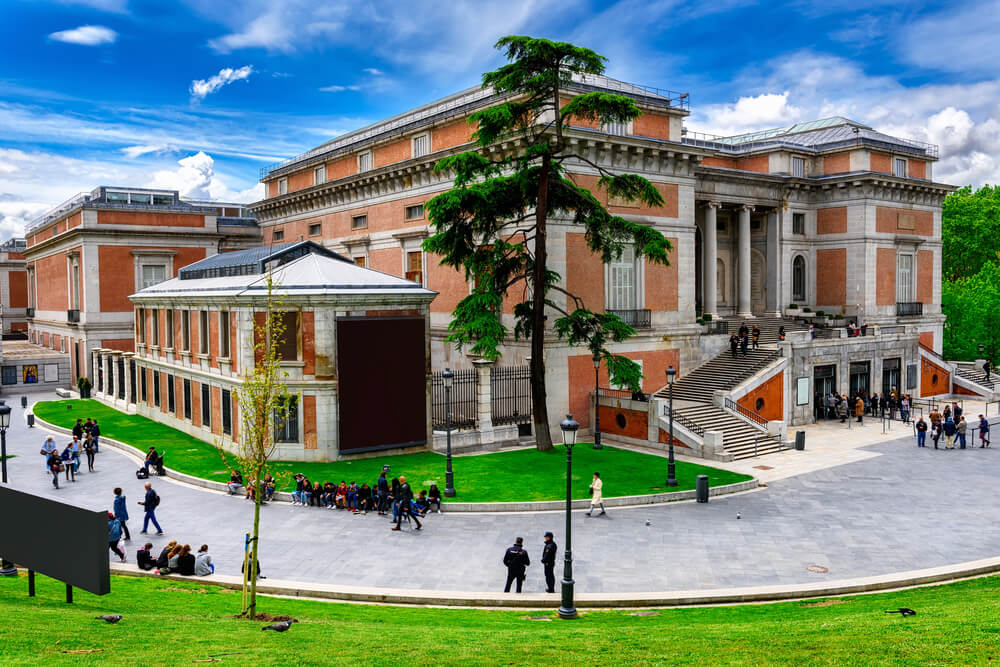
[543,439]
[252,569]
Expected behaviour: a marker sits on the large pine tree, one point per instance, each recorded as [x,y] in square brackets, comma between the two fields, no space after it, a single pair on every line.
[493,224]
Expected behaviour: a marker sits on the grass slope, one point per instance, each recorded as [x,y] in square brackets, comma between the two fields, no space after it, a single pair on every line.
[170,622]
[519,475]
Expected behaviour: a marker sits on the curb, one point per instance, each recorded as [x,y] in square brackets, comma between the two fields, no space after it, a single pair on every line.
[529,506]
[752,594]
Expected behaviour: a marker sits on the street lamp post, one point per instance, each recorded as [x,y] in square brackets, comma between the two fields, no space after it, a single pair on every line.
[567,610]
[597,401]
[449,477]
[671,476]
[7,568]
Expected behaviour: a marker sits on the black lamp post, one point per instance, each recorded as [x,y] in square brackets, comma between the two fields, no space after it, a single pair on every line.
[982,348]
[7,568]
[449,477]
[671,477]
[569,427]
[597,401]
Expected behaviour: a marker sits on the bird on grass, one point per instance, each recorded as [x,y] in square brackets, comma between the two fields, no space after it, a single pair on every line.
[903,611]
[283,626]
[110,618]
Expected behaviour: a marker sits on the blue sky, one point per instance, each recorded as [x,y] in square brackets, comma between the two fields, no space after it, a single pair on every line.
[199,95]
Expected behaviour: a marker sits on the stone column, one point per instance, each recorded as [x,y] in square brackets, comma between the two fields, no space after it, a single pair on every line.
[743,307]
[95,357]
[109,375]
[484,401]
[775,264]
[127,379]
[709,259]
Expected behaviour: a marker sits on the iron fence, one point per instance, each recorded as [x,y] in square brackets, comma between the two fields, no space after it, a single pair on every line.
[463,400]
[636,318]
[714,327]
[510,392]
[752,415]
[909,308]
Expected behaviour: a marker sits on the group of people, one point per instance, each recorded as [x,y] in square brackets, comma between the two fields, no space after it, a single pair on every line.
[86,440]
[516,560]
[746,337]
[952,425]
[176,558]
[841,406]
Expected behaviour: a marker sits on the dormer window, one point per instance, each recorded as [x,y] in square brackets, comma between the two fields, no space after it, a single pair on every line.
[365,161]
[618,129]
[421,145]
[798,167]
[282,186]
[900,168]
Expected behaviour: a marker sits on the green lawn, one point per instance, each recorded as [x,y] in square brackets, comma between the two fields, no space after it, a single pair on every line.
[520,475]
[167,622]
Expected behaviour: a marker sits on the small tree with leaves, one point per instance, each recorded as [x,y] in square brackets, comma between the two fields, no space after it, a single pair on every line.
[494,224]
[264,402]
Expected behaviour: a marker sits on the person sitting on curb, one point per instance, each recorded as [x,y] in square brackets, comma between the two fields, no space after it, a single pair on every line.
[203,562]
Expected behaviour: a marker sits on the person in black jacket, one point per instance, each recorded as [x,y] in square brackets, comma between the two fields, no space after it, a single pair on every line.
[549,562]
[185,562]
[405,499]
[164,557]
[382,494]
[516,559]
[144,557]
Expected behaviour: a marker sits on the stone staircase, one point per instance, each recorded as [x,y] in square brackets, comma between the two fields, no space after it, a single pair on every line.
[768,326]
[968,371]
[722,372]
[740,435]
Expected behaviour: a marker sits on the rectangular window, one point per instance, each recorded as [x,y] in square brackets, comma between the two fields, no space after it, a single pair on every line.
[153,274]
[319,175]
[120,197]
[163,200]
[156,388]
[185,331]
[359,222]
[618,129]
[171,398]
[206,406]
[10,375]
[187,399]
[288,346]
[168,340]
[315,229]
[900,168]
[365,161]
[76,286]
[155,324]
[798,167]
[622,294]
[137,198]
[415,267]
[227,412]
[140,325]
[415,212]
[904,278]
[286,428]
[224,334]
[278,235]
[360,261]
[282,186]
[798,223]
[421,145]
[203,331]
[142,385]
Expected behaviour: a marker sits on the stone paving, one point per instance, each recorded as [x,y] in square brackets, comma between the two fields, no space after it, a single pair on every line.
[897,508]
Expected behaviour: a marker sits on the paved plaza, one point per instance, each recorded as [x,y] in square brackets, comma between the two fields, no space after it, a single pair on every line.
[890,508]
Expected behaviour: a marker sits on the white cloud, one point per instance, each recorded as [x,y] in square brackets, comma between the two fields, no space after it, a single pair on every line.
[86,35]
[373,71]
[112,6]
[201,88]
[752,113]
[339,89]
[138,151]
[957,39]
[196,178]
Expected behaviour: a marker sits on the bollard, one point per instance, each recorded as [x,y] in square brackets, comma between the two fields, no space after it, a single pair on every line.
[701,489]
[24,401]
[800,441]
[31,420]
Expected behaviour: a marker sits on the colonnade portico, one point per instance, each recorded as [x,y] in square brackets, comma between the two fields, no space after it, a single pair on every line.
[742,229]
[114,382]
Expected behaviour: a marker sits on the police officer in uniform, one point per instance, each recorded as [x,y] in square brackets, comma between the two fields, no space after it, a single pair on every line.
[516,559]
[549,561]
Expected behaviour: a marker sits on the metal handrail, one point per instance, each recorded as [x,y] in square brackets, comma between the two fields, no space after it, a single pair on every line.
[637,318]
[776,437]
[752,415]
[684,421]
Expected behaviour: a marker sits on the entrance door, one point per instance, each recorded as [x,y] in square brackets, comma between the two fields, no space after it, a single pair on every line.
[825,379]
[758,274]
[860,377]
[890,375]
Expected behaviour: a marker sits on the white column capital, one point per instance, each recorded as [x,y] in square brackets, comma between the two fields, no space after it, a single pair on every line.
[747,207]
[712,204]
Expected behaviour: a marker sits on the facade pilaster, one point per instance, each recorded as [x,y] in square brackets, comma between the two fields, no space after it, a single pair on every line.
[484,401]
[710,254]
[743,305]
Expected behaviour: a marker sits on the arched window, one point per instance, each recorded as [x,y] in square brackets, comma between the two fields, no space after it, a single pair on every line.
[799,278]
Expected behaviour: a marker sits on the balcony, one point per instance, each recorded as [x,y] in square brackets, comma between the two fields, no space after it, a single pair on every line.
[73,316]
[29,312]
[909,309]
[637,319]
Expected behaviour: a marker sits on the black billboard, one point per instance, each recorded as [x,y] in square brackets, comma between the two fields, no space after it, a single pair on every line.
[58,540]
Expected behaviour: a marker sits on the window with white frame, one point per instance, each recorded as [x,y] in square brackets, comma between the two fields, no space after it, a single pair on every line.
[622,282]
[365,161]
[421,145]
[153,274]
[900,168]
[798,167]
[282,186]
[319,174]
[904,278]
[622,129]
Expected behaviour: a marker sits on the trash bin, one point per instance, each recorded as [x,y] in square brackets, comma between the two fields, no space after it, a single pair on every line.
[24,401]
[800,441]
[31,420]
[701,489]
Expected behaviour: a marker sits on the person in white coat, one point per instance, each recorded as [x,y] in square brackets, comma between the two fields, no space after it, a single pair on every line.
[595,494]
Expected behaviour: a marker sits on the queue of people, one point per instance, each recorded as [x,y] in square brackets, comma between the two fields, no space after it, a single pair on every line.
[834,405]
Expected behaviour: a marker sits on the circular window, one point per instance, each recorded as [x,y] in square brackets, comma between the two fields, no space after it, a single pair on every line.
[934,379]
[620,420]
[759,405]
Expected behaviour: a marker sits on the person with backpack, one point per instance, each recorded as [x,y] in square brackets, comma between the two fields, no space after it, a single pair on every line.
[54,464]
[115,534]
[150,504]
[121,512]
[984,432]
[516,559]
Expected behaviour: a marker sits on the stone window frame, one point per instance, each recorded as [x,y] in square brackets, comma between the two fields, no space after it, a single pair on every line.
[638,286]
[317,179]
[804,294]
[413,144]
[153,257]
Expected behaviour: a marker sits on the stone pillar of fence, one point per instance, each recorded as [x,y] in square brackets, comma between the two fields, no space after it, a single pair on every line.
[484,401]
[129,386]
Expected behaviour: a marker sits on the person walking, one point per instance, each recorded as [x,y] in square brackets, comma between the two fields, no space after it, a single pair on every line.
[90,449]
[405,505]
[756,337]
[54,464]
[121,512]
[921,432]
[74,450]
[859,409]
[743,345]
[986,369]
[984,432]
[935,433]
[949,433]
[78,429]
[960,429]
[596,498]
[549,562]
[115,534]
[382,494]
[48,448]
[95,433]
[904,408]
[734,343]
[516,559]
[781,333]
[151,502]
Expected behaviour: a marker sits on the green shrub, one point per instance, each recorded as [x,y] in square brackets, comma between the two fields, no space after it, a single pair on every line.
[707,317]
[793,306]
[807,309]
[821,313]
[700,321]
